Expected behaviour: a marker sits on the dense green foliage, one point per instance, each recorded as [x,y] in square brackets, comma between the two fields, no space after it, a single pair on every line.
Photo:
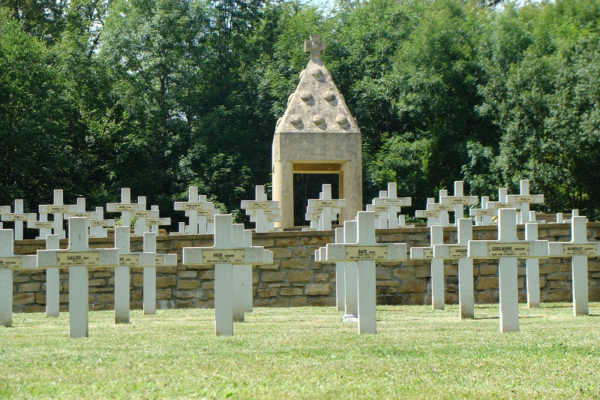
[158,95]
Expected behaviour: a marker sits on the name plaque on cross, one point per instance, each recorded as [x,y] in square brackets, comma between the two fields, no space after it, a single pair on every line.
[259,204]
[11,262]
[231,256]
[71,259]
[589,250]
[57,209]
[39,225]
[129,260]
[126,207]
[443,207]
[355,253]
[17,217]
[458,252]
[508,250]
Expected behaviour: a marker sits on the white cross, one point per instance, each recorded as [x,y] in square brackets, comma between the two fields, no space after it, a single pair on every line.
[58,209]
[125,207]
[458,252]
[44,226]
[579,249]
[78,257]
[503,201]
[223,255]
[141,214]
[524,198]
[200,212]
[242,275]
[390,205]
[350,275]
[78,210]
[149,278]
[437,265]
[127,260]
[484,215]
[8,262]
[574,213]
[17,217]
[459,200]
[366,252]
[508,249]
[325,207]
[261,211]
[52,280]
[155,220]
[532,265]
[98,224]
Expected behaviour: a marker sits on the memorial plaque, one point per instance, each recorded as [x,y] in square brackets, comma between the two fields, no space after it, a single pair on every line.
[458,200]
[125,207]
[224,256]
[579,249]
[11,262]
[524,199]
[327,203]
[79,214]
[392,202]
[443,207]
[205,213]
[380,209]
[58,209]
[70,259]
[16,217]
[498,206]
[485,213]
[193,206]
[95,223]
[355,253]
[129,260]
[458,252]
[259,204]
[154,221]
[41,225]
[141,213]
[508,249]
[430,214]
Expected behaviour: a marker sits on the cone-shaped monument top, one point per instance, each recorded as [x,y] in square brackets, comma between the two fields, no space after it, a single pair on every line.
[316,105]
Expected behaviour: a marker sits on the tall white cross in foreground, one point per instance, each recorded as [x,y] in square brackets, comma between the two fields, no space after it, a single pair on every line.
[366,252]
[52,280]
[532,266]
[224,255]
[524,198]
[8,262]
[17,217]
[242,279]
[149,272]
[458,252]
[127,260]
[78,257]
[437,265]
[350,269]
[579,250]
[508,249]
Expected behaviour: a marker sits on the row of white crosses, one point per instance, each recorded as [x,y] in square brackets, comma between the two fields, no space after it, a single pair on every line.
[78,257]
[365,252]
[323,211]
[262,211]
[232,256]
[387,207]
[200,212]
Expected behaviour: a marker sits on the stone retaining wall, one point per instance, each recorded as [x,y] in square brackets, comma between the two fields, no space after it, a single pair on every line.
[295,279]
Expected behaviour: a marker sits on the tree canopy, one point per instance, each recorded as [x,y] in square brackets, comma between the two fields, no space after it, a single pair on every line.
[159,95]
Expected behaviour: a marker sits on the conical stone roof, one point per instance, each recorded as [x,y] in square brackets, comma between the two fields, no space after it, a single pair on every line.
[316,105]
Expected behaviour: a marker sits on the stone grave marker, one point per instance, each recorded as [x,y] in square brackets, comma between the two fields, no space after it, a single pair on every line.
[579,249]
[485,215]
[532,265]
[78,257]
[141,214]
[458,252]
[155,221]
[52,281]
[57,209]
[127,260]
[125,207]
[459,201]
[437,265]
[508,249]
[224,255]
[366,252]
[9,261]
[261,211]
[99,225]
[325,209]
[43,225]
[149,272]
[350,276]
[340,276]
[17,217]
[242,278]
[524,198]
[391,205]
[199,211]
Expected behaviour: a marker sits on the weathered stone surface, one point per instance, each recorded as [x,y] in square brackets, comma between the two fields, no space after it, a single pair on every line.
[267,292]
[281,252]
[322,277]
[295,263]
[486,282]
[292,291]
[413,286]
[23,298]
[318,289]
[404,273]
[321,302]
[298,301]
[270,276]
[29,287]
[165,281]
[187,274]
[207,275]
[188,284]
[279,302]
[383,273]
[300,276]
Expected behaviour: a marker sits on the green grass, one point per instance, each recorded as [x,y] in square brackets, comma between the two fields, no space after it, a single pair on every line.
[306,353]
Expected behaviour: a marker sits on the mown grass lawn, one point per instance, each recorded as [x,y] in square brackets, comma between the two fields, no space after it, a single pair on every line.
[306,353]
